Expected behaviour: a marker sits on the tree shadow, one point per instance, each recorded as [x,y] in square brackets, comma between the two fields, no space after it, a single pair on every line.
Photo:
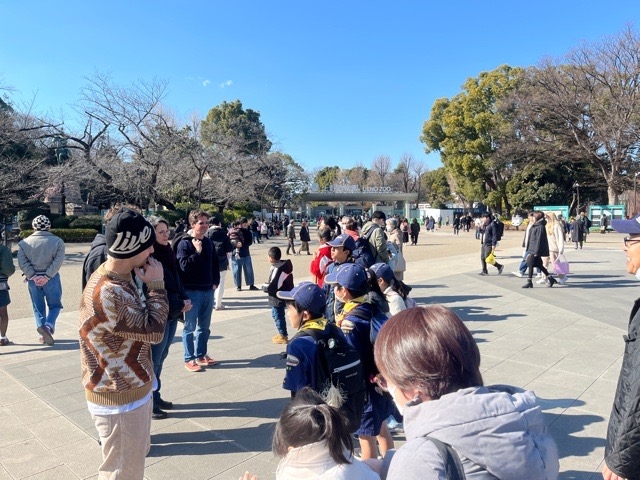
[564,427]
[452,299]
[481,314]
[59,345]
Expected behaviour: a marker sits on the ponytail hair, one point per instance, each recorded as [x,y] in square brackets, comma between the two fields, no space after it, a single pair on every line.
[309,419]
[400,288]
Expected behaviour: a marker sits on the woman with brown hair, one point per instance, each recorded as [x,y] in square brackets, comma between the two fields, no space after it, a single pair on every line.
[537,247]
[430,364]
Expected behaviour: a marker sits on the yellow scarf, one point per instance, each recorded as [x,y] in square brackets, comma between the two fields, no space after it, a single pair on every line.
[316,324]
[350,305]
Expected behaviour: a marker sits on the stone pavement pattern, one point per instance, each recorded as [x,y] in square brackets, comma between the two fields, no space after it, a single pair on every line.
[565,343]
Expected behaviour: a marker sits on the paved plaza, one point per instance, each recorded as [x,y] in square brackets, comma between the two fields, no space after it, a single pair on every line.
[565,343]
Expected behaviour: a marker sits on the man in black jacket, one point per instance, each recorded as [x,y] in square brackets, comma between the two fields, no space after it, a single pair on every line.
[489,240]
[622,450]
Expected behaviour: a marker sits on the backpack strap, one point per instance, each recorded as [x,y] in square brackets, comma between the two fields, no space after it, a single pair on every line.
[367,237]
[452,464]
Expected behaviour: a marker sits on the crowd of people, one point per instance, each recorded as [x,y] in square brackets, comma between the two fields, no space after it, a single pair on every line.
[415,365]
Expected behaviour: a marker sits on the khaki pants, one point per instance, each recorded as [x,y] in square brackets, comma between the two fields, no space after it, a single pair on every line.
[125,441]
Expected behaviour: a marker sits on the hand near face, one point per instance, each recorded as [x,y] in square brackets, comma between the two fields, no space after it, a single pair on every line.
[197,244]
[152,270]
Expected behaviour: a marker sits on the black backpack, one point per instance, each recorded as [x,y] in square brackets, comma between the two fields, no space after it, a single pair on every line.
[364,254]
[338,365]
[176,240]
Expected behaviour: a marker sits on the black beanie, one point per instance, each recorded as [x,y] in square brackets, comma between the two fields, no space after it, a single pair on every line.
[128,234]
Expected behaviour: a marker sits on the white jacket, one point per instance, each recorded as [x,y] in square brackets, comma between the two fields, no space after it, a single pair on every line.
[314,462]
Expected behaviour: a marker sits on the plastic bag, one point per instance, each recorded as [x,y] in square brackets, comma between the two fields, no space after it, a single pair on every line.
[561,265]
[491,259]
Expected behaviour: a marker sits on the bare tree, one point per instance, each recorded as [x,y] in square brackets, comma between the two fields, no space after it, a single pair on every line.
[381,167]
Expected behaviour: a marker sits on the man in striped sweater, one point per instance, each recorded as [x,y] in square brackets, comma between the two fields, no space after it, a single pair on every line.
[117,327]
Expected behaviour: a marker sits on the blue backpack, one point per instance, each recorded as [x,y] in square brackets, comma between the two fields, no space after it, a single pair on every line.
[363,255]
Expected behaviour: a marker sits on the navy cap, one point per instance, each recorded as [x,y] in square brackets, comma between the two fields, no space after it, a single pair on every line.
[383,271]
[308,295]
[627,226]
[345,240]
[350,275]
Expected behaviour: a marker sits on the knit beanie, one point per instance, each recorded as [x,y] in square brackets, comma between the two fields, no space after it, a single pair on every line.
[128,233]
[41,223]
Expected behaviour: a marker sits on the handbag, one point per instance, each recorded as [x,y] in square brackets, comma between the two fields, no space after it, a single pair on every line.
[491,259]
[561,265]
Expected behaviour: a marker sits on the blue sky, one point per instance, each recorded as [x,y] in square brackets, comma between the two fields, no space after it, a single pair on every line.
[336,83]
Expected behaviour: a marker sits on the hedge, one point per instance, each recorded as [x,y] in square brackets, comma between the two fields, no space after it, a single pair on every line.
[71,235]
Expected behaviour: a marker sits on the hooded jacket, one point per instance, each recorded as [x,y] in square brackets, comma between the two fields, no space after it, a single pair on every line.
[498,432]
[280,278]
[538,244]
[377,239]
[314,462]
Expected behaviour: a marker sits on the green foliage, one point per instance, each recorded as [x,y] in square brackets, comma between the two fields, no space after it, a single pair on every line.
[63,222]
[172,216]
[436,186]
[88,221]
[327,177]
[71,235]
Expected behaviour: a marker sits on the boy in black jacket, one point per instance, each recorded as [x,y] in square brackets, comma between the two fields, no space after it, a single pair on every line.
[280,278]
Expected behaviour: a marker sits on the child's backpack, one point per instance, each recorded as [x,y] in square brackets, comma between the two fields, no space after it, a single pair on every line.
[364,254]
[376,318]
[339,373]
[177,239]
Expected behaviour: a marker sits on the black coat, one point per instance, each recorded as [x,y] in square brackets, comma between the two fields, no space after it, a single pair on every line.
[538,243]
[622,450]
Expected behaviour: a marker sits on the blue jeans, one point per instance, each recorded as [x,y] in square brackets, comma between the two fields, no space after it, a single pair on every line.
[50,296]
[196,324]
[237,266]
[278,316]
[160,351]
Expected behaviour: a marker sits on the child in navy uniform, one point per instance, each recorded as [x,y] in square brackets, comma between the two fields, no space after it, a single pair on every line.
[351,287]
[280,278]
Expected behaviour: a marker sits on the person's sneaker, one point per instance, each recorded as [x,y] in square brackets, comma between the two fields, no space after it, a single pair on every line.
[500,269]
[562,280]
[206,361]
[542,281]
[518,274]
[4,341]
[253,287]
[47,336]
[239,289]
[163,404]
[483,273]
[280,339]
[192,366]
[158,414]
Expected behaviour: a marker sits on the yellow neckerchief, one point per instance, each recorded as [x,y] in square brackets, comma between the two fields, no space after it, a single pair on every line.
[316,324]
[350,305]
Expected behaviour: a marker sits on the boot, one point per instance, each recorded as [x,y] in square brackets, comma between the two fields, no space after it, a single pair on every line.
[552,281]
[529,284]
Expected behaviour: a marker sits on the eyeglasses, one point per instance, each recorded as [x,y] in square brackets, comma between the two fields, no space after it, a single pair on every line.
[628,241]
[162,232]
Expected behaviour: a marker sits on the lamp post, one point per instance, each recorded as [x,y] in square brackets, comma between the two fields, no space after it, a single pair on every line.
[262,197]
[576,185]
[635,198]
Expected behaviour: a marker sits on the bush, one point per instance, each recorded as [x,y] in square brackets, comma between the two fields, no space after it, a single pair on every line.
[63,222]
[172,216]
[88,221]
[69,235]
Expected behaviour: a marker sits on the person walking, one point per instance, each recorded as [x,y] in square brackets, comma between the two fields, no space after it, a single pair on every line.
[537,248]
[118,325]
[555,237]
[622,447]
[488,242]
[305,237]
[415,231]
[291,236]
[40,257]
[7,268]
[577,232]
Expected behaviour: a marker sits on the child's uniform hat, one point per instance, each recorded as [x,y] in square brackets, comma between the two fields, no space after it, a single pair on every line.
[308,295]
[383,271]
[128,234]
[344,240]
[350,275]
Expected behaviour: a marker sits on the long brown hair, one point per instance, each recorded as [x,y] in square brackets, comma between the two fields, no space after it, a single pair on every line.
[428,349]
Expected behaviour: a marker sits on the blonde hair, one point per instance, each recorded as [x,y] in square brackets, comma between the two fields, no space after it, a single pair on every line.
[551,224]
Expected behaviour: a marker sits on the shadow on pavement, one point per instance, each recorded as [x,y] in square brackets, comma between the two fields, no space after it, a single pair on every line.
[480,314]
[450,299]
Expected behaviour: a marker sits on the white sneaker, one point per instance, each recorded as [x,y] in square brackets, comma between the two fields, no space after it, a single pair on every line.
[542,281]
[562,281]
[517,274]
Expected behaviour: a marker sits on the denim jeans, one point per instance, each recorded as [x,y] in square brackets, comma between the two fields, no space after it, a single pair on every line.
[239,264]
[50,295]
[278,316]
[196,324]
[160,351]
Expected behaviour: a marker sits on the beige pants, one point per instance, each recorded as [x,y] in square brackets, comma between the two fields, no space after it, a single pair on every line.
[125,441]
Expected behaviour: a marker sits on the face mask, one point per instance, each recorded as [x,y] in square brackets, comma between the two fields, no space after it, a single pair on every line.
[392,390]
[638,274]
[389,228]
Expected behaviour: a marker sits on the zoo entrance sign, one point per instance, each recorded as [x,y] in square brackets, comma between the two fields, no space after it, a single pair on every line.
[356,189]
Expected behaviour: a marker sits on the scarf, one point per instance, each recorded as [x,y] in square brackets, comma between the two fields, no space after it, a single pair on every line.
[164,254]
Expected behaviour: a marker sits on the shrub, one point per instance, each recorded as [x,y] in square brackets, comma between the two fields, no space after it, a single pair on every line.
[69,235]
[172,216]
[88,221]
[63,222]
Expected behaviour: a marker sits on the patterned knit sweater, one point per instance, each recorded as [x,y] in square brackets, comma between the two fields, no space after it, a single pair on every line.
[117,328]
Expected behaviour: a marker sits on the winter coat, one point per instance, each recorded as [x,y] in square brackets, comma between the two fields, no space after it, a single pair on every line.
[41,253]
[280,278]
[537,243]
[556,239]
[577,230]
[378,240]
[320,262]
[622,450]
[304,234]
[498,432]
[313,462]
[221,244]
